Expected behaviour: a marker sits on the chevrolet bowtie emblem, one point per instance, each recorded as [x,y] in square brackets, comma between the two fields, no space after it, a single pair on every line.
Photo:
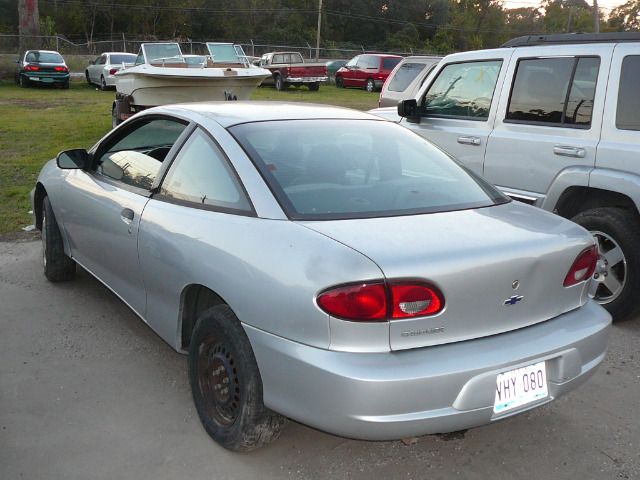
[512,301]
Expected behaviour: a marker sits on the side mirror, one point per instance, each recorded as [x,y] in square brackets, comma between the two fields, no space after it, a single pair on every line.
[72,159]
[16,61]
[91,62]
[409,110]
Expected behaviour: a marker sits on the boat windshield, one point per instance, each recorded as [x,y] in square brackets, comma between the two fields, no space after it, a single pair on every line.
[226,53]
[159,52]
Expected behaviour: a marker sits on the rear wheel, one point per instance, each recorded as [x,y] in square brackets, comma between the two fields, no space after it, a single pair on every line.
[24,83]
[65,85]
[616,280]
[57,266]
[339,81]
[115,121]
[371,85]
[226,384]
[314,87]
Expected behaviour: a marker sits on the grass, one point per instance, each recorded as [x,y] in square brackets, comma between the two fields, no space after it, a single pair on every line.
[37,123]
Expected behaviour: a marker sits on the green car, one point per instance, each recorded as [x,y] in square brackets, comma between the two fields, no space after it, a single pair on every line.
[41,66]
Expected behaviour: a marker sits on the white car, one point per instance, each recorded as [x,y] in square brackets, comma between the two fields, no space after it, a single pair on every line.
[100,72]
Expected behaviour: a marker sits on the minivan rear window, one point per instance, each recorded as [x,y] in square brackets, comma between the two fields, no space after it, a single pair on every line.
[627,117]
[406,73]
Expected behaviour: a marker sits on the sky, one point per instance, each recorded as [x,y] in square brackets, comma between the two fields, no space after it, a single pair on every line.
[606,5]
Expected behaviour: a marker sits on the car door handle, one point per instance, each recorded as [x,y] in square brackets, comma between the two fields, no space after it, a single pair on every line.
[127,215]
[469,140]
[569,151]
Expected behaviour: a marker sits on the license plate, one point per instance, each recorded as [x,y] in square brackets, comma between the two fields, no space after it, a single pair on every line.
[521,386]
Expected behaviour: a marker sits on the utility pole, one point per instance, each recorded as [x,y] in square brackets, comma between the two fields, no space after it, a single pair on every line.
[319,25]
[596,17]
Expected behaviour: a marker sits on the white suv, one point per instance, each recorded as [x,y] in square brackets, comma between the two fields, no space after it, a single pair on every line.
[554,121]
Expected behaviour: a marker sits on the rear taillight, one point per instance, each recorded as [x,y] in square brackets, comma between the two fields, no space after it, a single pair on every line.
[380,302]
[61,69]
[113,71]
[31,67]
[583,268]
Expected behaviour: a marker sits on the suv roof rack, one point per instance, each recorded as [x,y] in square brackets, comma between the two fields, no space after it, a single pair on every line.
[567,38]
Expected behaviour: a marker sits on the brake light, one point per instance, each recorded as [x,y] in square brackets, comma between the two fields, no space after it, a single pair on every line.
[113,71]
[583,268]
[382,302]
[61,69]
[31,67]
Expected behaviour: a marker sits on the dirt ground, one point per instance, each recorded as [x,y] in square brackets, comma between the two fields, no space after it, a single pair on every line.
[88,391]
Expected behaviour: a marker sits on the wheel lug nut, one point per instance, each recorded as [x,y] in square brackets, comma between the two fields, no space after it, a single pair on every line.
[595,276]
[226,380]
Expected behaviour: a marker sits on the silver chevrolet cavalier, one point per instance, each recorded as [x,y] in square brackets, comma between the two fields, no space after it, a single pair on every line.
[325,265]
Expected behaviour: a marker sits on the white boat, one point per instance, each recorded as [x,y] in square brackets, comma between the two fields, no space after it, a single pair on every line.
[161,75]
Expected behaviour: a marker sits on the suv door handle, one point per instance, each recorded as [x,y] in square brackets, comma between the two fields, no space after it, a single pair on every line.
[127,215]
[569,151]
[469,140]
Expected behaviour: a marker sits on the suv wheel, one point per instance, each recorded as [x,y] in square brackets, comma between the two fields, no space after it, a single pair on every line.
[617,276]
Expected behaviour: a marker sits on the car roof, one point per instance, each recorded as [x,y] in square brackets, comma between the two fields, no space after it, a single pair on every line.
[232,113]
[421,58]
[573,38]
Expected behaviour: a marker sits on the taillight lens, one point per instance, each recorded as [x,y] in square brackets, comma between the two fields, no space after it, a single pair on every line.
[31,67]
[415,300]
[113,71]
[583,268]
[61,69]
[382,301]
[355,302]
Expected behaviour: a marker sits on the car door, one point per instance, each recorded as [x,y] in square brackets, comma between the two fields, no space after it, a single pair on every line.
[549,121]
[349,72]
[459,104]
[102,205]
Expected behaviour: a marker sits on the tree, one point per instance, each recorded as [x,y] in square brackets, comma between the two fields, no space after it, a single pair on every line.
[626,17]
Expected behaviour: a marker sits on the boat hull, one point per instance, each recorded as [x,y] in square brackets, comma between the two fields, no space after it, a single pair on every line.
[150,87]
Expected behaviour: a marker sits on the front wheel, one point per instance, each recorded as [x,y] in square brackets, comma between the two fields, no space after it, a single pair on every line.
[371,85]
[86,75]
[616,280]
[226,384]
[103,83]
[57,266]
[115,121]
[280,85]
[339,81]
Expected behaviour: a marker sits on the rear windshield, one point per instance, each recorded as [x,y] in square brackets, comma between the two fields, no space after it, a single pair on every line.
[44,57]
[123,58]
[335,169]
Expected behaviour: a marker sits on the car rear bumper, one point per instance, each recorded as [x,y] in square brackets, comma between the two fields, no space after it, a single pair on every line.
[306,79]
[385,396]
[46,77]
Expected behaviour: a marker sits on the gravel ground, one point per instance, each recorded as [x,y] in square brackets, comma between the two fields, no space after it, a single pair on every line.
[87,390]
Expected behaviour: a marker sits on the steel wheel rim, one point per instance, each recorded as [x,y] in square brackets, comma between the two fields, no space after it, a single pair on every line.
[218,381]
[610,275]
[370,86]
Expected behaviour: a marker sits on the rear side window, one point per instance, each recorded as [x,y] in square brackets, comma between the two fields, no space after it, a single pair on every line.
[554,91]
[390,63]
[406,73]
[463,90]
[627,117]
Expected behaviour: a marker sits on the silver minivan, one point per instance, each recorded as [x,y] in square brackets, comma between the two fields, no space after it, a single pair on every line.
[406,79]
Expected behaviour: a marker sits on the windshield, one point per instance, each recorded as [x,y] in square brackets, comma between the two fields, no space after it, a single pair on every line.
[44,57]
[333,169]
[162,52]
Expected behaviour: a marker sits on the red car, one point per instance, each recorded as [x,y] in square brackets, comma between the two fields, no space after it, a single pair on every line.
[367,71]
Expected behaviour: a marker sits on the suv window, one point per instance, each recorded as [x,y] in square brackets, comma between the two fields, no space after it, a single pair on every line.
[201,174]
[540,87]
[389,63]
[405,74]
[367,61]
[463,90]
[627,117]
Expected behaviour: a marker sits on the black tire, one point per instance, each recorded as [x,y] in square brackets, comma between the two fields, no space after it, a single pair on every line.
[220,357]
[115,121]
[24,83]
[280,85]
[65,85]
[339,81]
[86,75]
[371,85]
[616,281]
[314,87]
[103,84]
[57,266]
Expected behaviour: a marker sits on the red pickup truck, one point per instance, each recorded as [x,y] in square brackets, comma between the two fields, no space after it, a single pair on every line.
[288,68]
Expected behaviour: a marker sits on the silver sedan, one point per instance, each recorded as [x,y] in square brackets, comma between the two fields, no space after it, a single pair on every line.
[325,265]
[101,70]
